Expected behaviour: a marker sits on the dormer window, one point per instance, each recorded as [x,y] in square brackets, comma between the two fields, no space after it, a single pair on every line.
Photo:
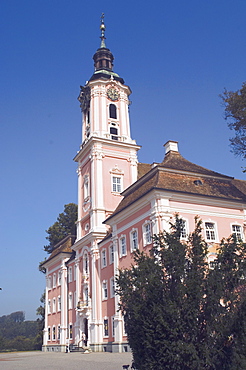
[112,111]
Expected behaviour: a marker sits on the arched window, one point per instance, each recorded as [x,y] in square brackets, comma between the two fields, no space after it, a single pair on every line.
[112,111]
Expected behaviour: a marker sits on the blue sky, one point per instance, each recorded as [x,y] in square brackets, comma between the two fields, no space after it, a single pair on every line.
[177,56]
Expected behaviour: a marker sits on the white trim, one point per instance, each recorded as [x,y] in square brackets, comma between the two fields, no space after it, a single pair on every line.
[105,319]
[49,307]
[58,303]
[53,333]
[112,287]
[215,230]
[111,254]
[70,300]
[54,305]
[132,239]
[103,258]
[147,234]
[123,236]
[104,290]
[241,230]
[113,326]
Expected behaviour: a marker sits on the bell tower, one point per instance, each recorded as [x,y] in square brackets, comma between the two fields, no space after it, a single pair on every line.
[107,164]
[107,160]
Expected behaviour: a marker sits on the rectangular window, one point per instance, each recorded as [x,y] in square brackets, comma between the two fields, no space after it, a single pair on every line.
[70,331]
[86,186]
[116,184]
[147,233]
[104,259]
[75,272]
[113,326]
[210,231]
[134,240]
[59,303]
[86,297]
[70,301]
[123,246]
[105,290]
[86,263]
[237,232]
[49,306]
[184,234]
[111,253]
[58,332]
[54,280]
[75,300]
[70,274]
[112,287]
[54,305]
[48,333]
[59,278]
[49,282]
[105,327]
[53,333]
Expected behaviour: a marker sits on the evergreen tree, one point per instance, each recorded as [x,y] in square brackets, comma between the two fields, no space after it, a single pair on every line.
[65,225]
[179,313]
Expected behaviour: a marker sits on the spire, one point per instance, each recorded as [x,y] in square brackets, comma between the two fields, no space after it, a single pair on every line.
[102,28]
[103,58]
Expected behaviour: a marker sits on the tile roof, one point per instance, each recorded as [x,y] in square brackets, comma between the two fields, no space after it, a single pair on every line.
[64,246]
[177,174]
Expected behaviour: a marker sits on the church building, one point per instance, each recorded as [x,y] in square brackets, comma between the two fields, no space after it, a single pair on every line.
[121,204]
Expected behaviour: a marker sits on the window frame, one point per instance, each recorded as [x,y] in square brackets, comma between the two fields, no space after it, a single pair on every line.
[147,235]
[70,331]
[59,278]
[70,274]
[209,231]
[54,305]
[105,327]
[112,287]
[238,238]
[59,303]
[185,229]
[112,111]
[49,334]
[117,185]
[104,290]
[123,237]
[86,263]
[133,239]
[70,301]
[54,280]
[104,258]
[111,254]
[49,307]
[53,333]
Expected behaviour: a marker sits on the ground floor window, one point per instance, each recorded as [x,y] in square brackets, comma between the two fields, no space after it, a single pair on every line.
[105,327]
[70,331]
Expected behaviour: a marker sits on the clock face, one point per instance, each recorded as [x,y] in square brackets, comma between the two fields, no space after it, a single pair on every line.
[112,94]
[84,97]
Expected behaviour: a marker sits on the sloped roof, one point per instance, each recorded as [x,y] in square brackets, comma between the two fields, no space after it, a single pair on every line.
[64,246]
[177,174]
[174,160]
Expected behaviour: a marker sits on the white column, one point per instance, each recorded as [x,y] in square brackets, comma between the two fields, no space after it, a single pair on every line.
[63,304]
[117,316]
[45,331]
[77,278]
[80,197]
[96,306]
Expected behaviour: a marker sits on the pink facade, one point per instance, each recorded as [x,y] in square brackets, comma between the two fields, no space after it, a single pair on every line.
[121,204]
